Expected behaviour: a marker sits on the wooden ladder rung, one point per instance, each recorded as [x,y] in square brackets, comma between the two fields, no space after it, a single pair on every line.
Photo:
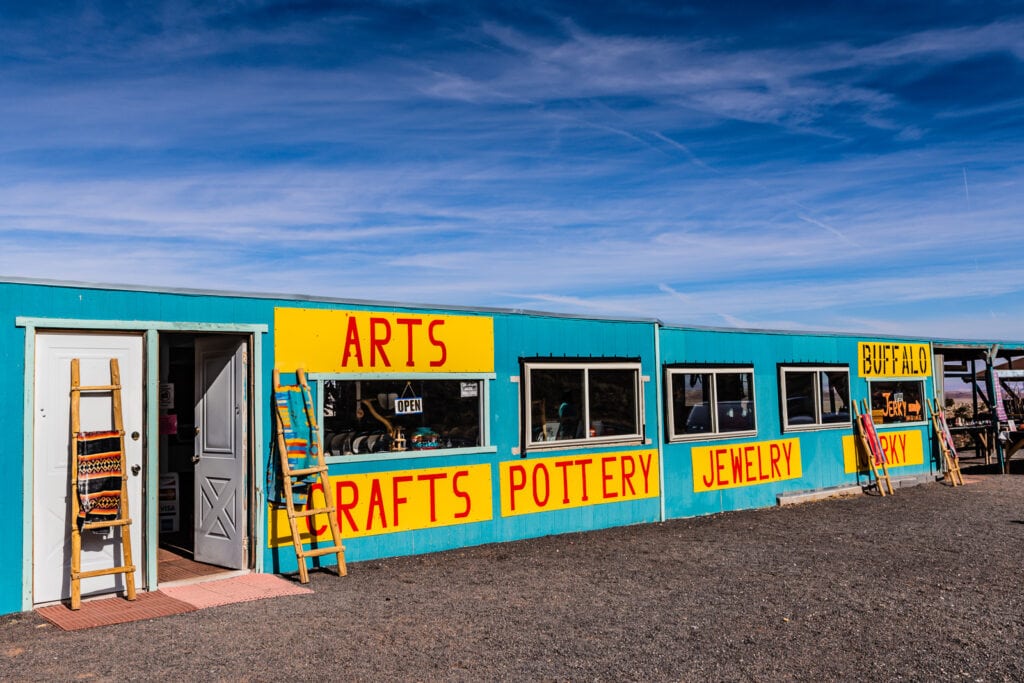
[317,552]
[105,572]
[101,387]
[104,525]
[309,513]
[307,470]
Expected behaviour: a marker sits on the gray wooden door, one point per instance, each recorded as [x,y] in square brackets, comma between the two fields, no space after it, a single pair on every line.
[221,451]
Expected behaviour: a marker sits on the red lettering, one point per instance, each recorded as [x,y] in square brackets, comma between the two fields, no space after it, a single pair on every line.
[787,452]
[409,324]
[748,464]
[343,507]
[627,477]
[438,343]
[605,478]
[736,456]
[310,506]
[563,465]
[352,347]
[377,343]
[462,494]
[720,466]
[645,468]
[396,500]
[709,481]
[761,476]
[513,485]
[540,467]
[776,455]
[376,503]
[583,476]
[431,478]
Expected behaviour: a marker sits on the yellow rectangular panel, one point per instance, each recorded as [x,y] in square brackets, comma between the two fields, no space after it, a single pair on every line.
[902,448]
[892,359]
[727,466]
[567,481]
[336,341]
[386,502]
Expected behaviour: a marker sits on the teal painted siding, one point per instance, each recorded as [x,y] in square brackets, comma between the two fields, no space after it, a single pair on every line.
[821,450]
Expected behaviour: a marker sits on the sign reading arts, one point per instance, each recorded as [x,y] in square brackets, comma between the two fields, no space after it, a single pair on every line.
[386,502]
[339,341]
[891,359]
[544,484]
[746,464]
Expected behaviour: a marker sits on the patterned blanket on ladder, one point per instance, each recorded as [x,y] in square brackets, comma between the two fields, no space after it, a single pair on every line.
[99,476]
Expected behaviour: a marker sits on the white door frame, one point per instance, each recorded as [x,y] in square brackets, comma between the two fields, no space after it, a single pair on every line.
[150,454]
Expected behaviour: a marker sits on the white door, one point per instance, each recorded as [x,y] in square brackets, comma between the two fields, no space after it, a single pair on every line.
[221,439]
[51,550]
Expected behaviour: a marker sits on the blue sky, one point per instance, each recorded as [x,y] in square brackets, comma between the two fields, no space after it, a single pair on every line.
[802,165]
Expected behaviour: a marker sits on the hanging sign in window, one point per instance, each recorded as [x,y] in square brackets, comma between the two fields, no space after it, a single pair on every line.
[411,405]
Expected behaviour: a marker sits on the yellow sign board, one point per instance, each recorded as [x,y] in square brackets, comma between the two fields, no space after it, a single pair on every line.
[386,502]
[568,481]
[902,448]
[892,359]
[337,341]
[727,466]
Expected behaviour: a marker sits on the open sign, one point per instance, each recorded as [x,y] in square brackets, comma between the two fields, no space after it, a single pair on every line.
[408,406]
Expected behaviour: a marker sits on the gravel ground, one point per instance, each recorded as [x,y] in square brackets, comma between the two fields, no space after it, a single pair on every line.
[924,585]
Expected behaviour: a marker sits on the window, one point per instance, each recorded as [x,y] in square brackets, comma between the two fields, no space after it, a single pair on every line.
[582,402]
[706,401]
[815,397]
[398,415]
[897,401]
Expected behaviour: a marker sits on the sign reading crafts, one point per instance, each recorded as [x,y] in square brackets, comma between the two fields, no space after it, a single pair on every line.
[334,341]
[892,359]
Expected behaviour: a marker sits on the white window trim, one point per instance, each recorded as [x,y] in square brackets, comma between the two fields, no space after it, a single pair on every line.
[714,434]
[815,426]
[586,441]
[485,380]
[899,425]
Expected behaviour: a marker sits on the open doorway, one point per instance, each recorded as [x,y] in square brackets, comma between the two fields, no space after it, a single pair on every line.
[204,445]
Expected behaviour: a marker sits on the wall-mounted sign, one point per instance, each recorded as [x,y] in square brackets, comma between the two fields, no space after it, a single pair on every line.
[902,448]
[339,341]
[728,466]
[543,484]
[166,395]
[411,405]
[892,359]
[469,389]
[386,502]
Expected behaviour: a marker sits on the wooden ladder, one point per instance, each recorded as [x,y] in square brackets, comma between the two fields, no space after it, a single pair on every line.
[88,442]
[946,445]
[318,472]
[872,446]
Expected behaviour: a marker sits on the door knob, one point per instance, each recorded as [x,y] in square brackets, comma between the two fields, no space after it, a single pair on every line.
[135,436]
[195,458]
[136,469]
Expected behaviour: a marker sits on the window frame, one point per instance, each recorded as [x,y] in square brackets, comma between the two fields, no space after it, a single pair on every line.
[896,425]
[818,424]
[485,379]
[528,366]
[714,371]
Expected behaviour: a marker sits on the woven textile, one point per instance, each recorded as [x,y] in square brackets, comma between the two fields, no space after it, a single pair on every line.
[871,436]
[945,435]
[297,432]
[99,476]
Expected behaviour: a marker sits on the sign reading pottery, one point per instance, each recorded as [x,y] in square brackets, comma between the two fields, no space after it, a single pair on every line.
[891,359]
[728,466]
[544,484]
[901,448]
[338,341]
[386,502]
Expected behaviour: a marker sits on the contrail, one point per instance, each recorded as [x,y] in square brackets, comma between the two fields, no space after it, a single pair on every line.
[967,191]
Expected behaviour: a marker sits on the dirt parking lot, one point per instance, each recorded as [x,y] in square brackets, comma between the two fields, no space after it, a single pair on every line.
[924,585]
